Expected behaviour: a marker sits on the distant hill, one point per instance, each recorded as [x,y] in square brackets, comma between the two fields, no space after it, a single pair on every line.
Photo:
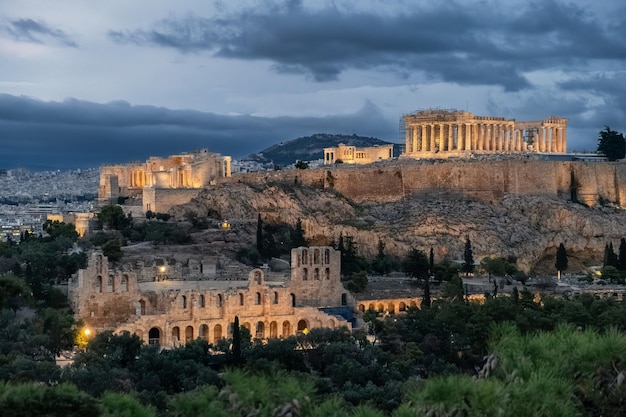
[310,148]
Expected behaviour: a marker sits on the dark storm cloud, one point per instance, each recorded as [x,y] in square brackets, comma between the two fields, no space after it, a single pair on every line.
[28,30]
[76,133]
[466,43]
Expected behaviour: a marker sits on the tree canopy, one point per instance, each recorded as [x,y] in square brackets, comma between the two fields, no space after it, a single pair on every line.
[611,144]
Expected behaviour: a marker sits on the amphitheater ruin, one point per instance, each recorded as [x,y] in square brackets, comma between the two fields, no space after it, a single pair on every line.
[444,133]
[168,304]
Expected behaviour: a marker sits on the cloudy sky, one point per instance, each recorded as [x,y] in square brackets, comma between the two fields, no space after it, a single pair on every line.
[84,83]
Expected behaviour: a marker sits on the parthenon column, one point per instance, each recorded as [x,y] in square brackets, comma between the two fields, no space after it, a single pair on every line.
[468,137]
[450,136]
[432,138]
[422,138]
[482,133]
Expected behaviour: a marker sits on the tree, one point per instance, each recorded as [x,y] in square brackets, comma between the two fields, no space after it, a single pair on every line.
[416,265]
[610,257]
[426,301]
[259,235]
[112,217]
[561,259]
[468,257]
[622,254]
[297,238]
[236,342]
[112,250]
[431,260]
[611,144]
[301,165]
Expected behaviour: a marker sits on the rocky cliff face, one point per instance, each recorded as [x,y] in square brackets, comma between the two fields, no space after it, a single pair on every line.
[528,227]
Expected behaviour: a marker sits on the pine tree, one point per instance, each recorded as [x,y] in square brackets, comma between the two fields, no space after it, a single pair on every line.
[468,257]
[431,260]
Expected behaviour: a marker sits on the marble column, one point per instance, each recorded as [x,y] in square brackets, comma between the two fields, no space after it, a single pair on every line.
[422,138]
[431,147]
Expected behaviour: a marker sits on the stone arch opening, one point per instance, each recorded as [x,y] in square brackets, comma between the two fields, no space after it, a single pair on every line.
[327,273]
[316,274]
[124,283]
[218,300]
[371,307]
[391,308]
[286,329]
[258,277]
[316,256]
[257,298]
[154,336]
[201,301]
[305,257]
[381,307]
[327,256]
[302,325]
[273,330]
[217,332]
[305,274]
[142,307]
[110,284]
[176,335]
[184,301]
[188,334]
[413,304]
[203,332]
[275,297]
[293,299]
[344,299]
[99,284]
[260,330]
[402,306]
[240,299]
[362,308]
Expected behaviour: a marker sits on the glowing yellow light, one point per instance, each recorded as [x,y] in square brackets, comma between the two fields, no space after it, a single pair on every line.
[305,331]
[87,332]
[161,269]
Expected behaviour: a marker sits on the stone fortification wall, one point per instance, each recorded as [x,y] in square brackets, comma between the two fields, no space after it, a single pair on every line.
[162,199]
[593,181]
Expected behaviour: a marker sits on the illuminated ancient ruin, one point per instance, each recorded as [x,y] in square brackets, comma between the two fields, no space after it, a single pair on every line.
[354,155]
[443,133]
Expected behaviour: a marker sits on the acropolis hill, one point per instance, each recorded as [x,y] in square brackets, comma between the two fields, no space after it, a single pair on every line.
[515,207]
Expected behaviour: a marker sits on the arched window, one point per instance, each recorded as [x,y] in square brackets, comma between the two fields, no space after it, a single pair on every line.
[275,297]
[217,332]
[293,299]
[258,277]
[260,330]
[154,336]
[184,301]
[391,308]
[240,299]
[201,301]
[124,283]
[316,256]
[218,300]
[305,257]
[316,274]
[344,299]
[110,286]
[381,308]
[302,325]
[362,308]
[273,330]
[203,332]
[305,274]
[327,256]
[176,335]
[142,307]
[327,273]
[188,334]
[257,298]
[99,284]
[402,306]
[286,329]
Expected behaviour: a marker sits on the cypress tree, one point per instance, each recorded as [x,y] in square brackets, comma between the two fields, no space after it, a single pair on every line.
[426,301]
[622,254]
[561,259]
[298,239]
[468,257]
[431,260]
[236,342]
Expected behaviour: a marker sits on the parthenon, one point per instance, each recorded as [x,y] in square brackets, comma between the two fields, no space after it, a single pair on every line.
[440,133]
